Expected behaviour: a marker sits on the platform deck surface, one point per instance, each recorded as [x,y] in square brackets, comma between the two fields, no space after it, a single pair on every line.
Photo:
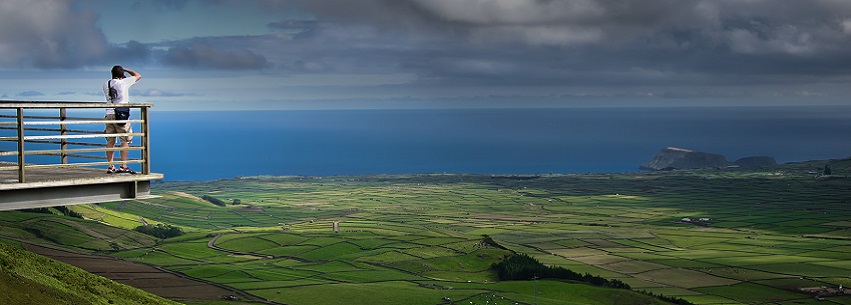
[49,177]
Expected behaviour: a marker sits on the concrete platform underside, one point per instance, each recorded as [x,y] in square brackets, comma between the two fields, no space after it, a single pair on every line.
[46,187]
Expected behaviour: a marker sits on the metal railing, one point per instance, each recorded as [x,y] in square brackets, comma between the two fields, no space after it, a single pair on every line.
[44,130]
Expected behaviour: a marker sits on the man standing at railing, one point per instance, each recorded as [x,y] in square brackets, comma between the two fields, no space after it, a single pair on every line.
[117,91]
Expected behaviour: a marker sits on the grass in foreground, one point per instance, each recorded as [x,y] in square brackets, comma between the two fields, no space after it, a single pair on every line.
[27,278]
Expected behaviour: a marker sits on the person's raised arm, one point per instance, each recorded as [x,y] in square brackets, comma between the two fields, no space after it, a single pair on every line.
[134,74]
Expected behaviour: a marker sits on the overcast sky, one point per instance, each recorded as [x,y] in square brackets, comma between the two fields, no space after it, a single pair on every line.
[289,54]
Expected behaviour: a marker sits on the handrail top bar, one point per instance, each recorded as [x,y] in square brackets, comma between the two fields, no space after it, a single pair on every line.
[43,104]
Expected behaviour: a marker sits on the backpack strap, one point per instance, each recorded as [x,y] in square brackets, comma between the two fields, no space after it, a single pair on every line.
[111,92]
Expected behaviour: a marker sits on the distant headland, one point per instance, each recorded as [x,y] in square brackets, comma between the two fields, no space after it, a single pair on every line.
[671,158]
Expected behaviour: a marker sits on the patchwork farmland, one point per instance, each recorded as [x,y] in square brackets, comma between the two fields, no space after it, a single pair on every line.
[708,237]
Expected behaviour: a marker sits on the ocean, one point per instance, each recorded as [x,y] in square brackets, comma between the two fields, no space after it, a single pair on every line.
[210,145]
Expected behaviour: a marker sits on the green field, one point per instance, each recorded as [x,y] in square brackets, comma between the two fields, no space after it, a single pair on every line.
[708,236]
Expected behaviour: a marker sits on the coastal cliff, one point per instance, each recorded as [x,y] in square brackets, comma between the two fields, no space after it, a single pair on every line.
[678,158]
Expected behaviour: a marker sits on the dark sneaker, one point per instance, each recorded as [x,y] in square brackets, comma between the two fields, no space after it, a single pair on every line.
[126,170]
[111,170]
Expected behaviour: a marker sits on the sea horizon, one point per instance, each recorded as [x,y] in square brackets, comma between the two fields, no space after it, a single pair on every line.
[211,145]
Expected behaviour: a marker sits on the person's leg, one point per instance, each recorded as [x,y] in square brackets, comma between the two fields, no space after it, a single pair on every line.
[125,143]
[124,156]
[125,153]
[110,154]
[110,143]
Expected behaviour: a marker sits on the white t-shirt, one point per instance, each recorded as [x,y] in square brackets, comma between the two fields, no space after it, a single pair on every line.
[122,88]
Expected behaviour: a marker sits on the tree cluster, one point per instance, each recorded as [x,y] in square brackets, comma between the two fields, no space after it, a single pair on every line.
[524,267]
[160,230]
[218,201]
[487,240]
[62,209]
[675,300]
[214,200]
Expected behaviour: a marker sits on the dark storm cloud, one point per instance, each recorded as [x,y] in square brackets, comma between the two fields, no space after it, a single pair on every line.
[131,52]
[669,47]
[54,34]
[612,42]
[48,34]
[784,26]
[517,21]
[202,54]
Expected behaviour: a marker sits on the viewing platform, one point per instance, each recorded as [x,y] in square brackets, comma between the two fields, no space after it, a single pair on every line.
[54,154]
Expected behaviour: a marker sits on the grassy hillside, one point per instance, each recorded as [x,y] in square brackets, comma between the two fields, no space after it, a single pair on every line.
[840,167]
[70,233]
[27,278]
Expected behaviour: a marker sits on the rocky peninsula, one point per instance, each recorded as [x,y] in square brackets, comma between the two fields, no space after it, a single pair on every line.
[671,158]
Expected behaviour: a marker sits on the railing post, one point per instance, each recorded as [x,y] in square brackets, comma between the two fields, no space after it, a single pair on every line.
[63,130]
[21,173]
[146,143]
